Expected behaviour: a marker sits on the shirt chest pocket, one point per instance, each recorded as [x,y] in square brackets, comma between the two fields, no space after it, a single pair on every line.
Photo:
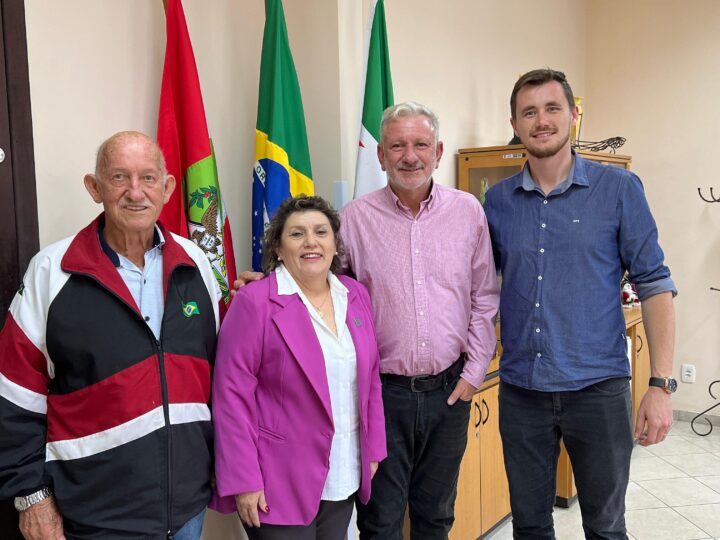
[448,263]
[576,236]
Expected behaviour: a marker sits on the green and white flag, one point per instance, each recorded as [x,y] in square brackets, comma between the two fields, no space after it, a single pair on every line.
[378,95]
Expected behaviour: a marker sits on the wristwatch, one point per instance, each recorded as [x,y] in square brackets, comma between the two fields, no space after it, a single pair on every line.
[23,503]
[666,383]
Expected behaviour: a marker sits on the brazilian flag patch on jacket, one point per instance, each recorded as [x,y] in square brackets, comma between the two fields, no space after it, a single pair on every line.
[190,309]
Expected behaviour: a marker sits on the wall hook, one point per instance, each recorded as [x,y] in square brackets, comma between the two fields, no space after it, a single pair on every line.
[712,198]
[692,423]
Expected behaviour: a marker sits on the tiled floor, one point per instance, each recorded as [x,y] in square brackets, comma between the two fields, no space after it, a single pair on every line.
[674,492]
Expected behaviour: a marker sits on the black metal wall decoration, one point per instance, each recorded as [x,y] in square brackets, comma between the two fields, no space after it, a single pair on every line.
[712,198]
[709,423]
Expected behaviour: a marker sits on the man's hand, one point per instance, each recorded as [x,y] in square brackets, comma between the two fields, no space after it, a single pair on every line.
[247,507]
[654,417]
[373,468]
[42,521]
[463,390]
[244,278]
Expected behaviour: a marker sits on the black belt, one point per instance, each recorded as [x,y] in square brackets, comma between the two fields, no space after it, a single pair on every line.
[425,383]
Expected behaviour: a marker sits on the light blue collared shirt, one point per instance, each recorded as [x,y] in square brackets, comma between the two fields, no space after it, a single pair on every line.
[145,285]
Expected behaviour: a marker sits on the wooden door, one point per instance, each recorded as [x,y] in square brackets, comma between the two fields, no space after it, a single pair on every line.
[18,219]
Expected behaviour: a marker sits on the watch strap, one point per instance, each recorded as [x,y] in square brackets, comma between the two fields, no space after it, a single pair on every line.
[25,502]
[662,382]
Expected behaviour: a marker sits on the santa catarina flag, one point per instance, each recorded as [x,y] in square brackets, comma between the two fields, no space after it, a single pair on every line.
[282,160]
[378,96]
[196,209]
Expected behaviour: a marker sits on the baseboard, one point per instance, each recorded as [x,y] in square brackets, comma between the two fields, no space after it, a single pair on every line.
[687,416]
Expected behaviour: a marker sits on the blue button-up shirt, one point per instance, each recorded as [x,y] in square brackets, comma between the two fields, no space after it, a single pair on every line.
[562,257]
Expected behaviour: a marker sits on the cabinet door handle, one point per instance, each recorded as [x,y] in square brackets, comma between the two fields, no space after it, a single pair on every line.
[640,339]
[487,410]
[479,414]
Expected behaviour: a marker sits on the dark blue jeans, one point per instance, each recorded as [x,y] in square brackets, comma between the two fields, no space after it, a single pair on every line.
[426,441]
[596,426]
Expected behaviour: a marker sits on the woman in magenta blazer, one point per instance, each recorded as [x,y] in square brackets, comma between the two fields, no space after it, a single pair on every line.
[297,406]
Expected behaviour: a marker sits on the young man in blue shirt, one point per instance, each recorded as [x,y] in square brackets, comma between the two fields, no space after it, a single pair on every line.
[564,232]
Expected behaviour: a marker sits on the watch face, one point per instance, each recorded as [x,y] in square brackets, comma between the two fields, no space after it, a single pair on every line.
[672,385]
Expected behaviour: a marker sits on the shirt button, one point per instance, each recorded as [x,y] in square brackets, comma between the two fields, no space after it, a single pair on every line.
[421,313]
[539,355]
[419,282]
[422,344]
[543,225]
[539,278]
[545,201]
[537,330]
[542,250]
[537,305]
[147,318]
[417,251]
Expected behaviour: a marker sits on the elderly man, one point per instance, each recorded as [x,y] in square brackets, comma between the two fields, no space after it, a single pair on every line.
[423,251]
[105,364]
[565,230]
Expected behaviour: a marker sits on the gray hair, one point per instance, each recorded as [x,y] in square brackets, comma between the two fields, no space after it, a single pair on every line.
[409,108]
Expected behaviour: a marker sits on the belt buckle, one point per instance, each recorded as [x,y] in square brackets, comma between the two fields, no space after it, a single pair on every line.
[421,379]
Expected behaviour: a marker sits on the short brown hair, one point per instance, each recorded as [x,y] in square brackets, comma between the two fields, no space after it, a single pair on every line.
[537,77]
[273,235]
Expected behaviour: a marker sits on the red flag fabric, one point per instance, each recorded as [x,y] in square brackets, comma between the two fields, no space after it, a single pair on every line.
[196,208]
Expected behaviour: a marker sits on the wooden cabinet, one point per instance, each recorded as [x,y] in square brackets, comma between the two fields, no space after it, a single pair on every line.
[641,366]
[468,520]
[495,496]
[483,497]
[481,168]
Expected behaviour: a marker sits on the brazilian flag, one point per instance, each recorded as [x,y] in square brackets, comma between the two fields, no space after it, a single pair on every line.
[282,159]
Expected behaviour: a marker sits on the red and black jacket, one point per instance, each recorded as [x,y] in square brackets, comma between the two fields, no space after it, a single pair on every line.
[115,421]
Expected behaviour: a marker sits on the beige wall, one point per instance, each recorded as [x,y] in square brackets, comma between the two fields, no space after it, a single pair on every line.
[649,71]
[653,77]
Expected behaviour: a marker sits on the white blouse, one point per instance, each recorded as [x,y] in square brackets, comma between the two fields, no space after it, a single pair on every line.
[343,479]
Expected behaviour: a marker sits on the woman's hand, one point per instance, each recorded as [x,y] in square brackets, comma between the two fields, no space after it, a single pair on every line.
[373,468]
[247,507]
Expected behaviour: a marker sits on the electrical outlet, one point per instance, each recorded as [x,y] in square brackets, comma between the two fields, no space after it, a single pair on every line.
[687,373]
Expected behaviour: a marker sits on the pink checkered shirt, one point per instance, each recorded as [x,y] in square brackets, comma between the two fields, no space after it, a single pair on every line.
[431,279]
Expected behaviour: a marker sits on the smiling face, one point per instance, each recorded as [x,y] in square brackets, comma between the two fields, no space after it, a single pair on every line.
[130,185]
[543,119]
[307,246]
[409,152]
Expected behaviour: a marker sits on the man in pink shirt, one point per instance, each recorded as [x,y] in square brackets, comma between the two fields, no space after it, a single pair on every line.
[423,251]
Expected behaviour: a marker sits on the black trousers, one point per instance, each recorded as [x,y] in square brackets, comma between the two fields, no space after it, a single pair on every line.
[330,523]
[596,426]
[426,440]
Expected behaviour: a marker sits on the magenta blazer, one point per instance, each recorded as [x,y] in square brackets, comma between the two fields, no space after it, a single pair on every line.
[271,403]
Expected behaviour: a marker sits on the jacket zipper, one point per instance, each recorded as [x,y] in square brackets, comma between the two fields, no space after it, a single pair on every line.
[163,388]
[166,414]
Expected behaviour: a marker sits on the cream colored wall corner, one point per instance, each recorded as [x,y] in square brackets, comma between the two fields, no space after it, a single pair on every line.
[653,77]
